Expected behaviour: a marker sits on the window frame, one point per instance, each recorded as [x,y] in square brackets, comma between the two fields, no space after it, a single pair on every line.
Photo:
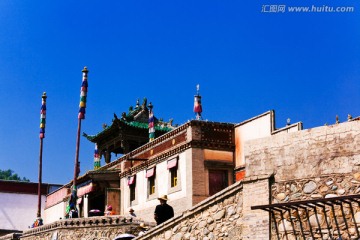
[177,187]
[151,190]
[132,190]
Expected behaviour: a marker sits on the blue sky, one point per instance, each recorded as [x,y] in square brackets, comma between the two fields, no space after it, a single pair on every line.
[305,66]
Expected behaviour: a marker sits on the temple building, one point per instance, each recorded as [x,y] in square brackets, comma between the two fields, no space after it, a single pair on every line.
[222,179]
[188,163]
[101,185]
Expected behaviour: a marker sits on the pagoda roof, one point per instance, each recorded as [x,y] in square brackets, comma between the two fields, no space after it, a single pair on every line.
[121,123]
[136,118]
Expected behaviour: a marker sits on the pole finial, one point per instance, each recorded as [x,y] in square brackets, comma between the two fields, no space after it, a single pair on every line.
[197,103]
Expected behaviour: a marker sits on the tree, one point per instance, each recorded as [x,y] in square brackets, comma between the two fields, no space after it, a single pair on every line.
[9,175]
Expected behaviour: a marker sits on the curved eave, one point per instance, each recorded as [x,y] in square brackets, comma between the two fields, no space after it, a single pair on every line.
[120,123]
[95,138]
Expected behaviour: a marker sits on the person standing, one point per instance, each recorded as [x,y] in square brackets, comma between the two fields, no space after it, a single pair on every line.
[132,213]
[163,211]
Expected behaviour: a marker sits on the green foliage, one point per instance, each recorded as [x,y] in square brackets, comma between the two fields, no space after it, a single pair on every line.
[9,175]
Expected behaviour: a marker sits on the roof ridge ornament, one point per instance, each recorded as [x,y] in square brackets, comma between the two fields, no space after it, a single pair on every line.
[197,103]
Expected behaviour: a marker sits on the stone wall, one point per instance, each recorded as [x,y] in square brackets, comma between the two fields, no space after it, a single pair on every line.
[218,217]
[325,186]
[309,153]
[329,218]
[255,192]
[312,164]
[100,228]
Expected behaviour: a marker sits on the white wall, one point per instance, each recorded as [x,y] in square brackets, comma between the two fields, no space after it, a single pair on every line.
[258,127]
[54,212]
[143,204]
[18,211]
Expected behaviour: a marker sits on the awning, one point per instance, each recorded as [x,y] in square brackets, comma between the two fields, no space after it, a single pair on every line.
[333,217]
[85,189]
[150,172]
[131,180]
[172,163]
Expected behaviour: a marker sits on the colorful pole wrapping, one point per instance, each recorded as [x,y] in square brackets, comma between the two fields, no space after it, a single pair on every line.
[83,94]
[96,158]
[43,116]
[197,104]
[151,123]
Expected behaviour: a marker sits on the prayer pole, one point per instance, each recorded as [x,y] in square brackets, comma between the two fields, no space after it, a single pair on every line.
[81,115]
[41,136]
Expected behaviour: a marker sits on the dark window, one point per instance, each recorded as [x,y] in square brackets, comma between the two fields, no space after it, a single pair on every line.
[132,192]
[132,187]
[218,180]
[151,181]
[173,176]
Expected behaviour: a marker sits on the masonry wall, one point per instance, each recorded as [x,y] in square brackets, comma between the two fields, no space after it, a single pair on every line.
[317,163]
[257,127]
[255,223]
[199,181]
[309,153]
[100,228]
[218,217]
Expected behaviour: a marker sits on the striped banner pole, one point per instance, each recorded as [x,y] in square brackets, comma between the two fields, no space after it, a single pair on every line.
[41,136]
[97,164]
[81,115]
[151,123]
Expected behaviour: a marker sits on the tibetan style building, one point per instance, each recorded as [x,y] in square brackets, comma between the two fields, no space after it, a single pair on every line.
[188,163]
[223,179]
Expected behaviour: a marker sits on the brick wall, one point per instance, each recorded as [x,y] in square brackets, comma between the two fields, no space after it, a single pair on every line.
[199,181]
